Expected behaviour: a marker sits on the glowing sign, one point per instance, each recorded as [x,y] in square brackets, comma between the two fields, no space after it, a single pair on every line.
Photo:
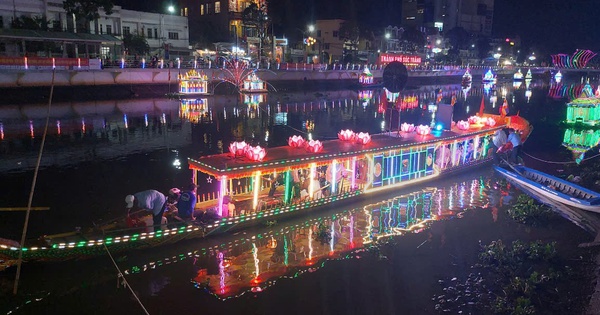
[406,59]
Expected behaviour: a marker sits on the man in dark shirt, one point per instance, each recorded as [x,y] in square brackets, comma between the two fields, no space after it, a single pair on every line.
[187,203]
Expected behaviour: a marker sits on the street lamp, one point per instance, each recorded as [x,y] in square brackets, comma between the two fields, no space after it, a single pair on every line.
[387,38]
[171,9]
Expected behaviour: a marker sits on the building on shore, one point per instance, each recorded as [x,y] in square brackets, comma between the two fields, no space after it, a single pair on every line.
[60,35]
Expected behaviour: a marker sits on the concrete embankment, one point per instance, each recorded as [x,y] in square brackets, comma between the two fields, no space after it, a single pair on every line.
[33,85]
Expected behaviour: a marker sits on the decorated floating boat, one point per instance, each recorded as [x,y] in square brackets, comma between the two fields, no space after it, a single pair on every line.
[554,188]
[193,83]
[579,141]
[253,84]
[467,78]
[585,109]
[489,77]
[254,184]
[528,76]
[518,76]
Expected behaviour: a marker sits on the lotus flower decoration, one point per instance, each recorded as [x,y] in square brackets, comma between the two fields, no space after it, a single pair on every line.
[474,120]
[346,135]
[423,130]
[296,141]
[238,148]
[314,146]
[407,127]
[462,125]
[363,138]
[256,153]
[490,122]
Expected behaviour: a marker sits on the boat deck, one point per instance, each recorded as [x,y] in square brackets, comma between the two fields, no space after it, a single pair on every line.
[286,156]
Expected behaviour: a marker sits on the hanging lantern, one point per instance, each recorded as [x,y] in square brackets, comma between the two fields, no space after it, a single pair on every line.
[346,135]
[423,130]
[462,125]
[491,122]
[363,138]
[296,141]
[407,127]
[314,146]
[238,148]
[256,153]
[474,120]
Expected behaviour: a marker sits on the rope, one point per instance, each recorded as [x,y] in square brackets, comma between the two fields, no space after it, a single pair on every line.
[121,276]
[555,162]
[30,201]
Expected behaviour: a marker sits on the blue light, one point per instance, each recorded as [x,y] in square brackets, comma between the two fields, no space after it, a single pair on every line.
[439,127]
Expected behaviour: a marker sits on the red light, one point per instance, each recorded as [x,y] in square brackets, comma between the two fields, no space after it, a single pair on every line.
[508,40]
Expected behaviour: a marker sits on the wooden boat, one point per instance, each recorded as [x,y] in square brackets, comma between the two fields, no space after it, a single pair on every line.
[253,184]
[553,187]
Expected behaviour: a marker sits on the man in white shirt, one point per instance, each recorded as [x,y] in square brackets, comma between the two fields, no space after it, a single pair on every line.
[515,139]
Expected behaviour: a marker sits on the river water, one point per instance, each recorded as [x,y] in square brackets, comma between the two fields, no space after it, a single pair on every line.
[98,152]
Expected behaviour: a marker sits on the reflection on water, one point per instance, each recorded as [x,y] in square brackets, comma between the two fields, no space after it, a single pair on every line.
[253,263]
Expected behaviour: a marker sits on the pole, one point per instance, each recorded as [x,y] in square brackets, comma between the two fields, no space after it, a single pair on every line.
[35,173]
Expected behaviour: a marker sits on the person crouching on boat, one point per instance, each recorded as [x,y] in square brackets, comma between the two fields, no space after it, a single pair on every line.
[499,140]
[187,203]
[515,139]
[152,201]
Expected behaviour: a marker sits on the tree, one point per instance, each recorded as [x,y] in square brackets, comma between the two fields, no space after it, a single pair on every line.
[350,34]
[458,37]
[136,44]
[414,36]
[87,10]
[31,23]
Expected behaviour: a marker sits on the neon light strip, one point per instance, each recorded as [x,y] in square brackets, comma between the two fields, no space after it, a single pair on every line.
[353,172]
[256,189]
[222,191]
[333,173]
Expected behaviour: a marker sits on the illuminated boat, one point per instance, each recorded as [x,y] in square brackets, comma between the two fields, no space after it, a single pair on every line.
[580,141]
[254,184]
[585,109]
[558,77]
[253,84]
[366,77]
[518,76]
[489,77]
[528,76]
[467,78]
[193,83]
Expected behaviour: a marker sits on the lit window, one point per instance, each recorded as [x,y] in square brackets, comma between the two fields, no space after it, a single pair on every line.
[202,9]
[217,7]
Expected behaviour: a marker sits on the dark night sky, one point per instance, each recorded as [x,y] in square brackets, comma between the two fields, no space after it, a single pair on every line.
[549,26]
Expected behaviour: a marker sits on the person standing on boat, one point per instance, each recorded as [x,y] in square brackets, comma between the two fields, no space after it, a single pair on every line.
[187,203]
[515,139]
[499,140]
[150,200]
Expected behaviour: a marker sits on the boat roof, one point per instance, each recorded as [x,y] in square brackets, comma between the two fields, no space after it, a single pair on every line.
[282,158]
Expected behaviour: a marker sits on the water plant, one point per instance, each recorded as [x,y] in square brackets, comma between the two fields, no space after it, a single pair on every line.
[528,211]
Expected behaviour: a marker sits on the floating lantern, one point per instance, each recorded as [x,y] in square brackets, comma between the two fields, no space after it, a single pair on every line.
[296,141]
[314,146]
[238,148]
[490,122]
[474,120]
[462,125]
[423,130]
[256,153]
[407,127]
[363,138]
[346,135]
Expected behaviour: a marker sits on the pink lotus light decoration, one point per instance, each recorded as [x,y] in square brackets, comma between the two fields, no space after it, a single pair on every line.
[363,138]
[256,153]
[346,135]
[407,127]
[296,141]
[238,148]
[314,146]
[474,120]
[423,130]
[490,122]
[462,125]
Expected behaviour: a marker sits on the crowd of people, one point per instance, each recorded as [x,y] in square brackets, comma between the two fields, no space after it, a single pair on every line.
[176,206]
[507,141]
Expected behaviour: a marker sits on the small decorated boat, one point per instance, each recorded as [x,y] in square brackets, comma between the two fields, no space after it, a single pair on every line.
[552,187]
[518,76]
[528,76]
[558,77]
[253,84]
[585,109]
[193,83]
[467,78]
[489,77]
[254,184]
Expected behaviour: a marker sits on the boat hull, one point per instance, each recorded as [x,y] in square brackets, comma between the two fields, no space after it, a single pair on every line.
[552,194]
